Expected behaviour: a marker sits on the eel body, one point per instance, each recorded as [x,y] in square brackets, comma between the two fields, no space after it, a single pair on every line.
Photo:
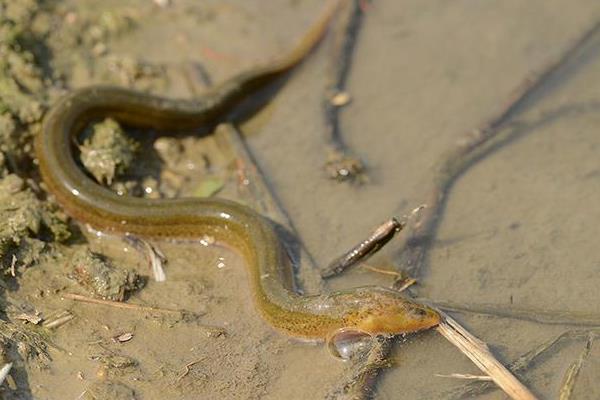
[373,310]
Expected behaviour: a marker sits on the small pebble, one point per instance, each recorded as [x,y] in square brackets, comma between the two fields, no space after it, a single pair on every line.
[340,99]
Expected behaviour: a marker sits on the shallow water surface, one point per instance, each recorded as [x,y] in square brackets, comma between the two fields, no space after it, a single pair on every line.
[519,229]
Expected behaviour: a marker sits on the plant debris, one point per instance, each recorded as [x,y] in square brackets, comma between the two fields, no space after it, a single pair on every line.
[98,274]
[30,344]
[116,361]
[122,338]
[31,318]
[58,320]
[107,151]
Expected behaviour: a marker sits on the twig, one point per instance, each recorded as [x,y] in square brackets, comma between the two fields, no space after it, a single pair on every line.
[566,389]
[534,315]
[478,352]
[363,250]
[341,164]
[118,304]
[459,159]
[360,252]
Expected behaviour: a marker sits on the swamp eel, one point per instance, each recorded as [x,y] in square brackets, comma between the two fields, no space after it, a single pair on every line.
[371,310]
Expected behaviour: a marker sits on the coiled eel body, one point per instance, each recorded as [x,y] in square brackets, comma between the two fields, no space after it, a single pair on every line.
[371,310]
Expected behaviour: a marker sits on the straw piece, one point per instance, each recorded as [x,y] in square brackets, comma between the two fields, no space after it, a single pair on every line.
[118,304]
[4,372]
[466,377]
[479,353]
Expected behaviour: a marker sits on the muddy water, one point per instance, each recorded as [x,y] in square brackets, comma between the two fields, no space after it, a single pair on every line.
[519,228]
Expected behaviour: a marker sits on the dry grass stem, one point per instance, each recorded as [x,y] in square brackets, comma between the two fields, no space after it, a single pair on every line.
[479,353]
[13,265]
[118,304]
[4,371]
[466,376]
[380,270]
[568,385]
[58,321]
[405,283]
